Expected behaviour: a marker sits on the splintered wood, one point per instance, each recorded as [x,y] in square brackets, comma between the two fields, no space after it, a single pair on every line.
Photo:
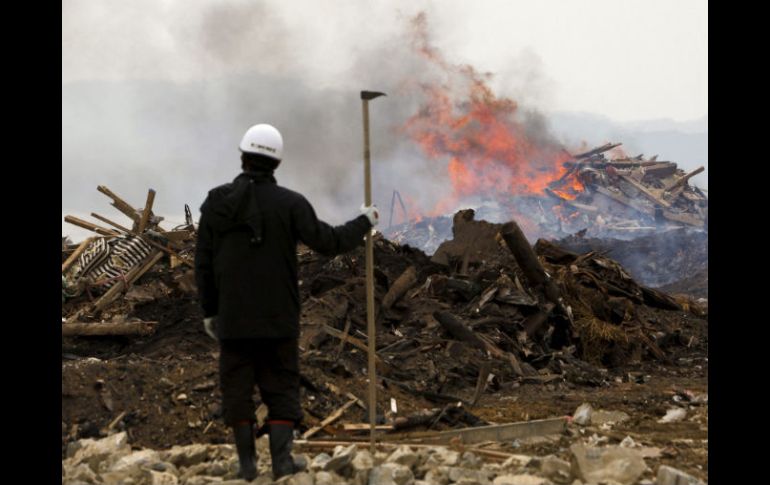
[653,191]
[88,267]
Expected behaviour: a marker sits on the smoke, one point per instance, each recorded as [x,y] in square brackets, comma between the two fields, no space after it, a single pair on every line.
[167,109]
[156,94]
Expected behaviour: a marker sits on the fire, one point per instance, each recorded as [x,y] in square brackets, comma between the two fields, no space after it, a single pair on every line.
[489,150]
[569,186]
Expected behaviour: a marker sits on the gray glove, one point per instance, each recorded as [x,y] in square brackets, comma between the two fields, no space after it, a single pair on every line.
[208,326]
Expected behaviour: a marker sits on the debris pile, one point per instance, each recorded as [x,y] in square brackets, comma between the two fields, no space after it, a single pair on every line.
[601,197]
[628,194]
[97,272]
[486,312]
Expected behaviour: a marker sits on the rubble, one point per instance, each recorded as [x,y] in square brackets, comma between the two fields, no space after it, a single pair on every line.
[491,314]
[628,193]
[673,415]
[487,310]
[620,196]
[593,464]
[582,414]
[101,269]
[643,210]
[203,463]
[671,476]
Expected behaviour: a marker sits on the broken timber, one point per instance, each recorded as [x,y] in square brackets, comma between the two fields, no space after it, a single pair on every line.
[479,434]
[122,328]
[497,432]
[120,204]
[684,179]
[527,260]
[457,328]
[330,419]
[76,254]
[132,276]
[402,284]
[645,191]
[91,227]
[353,427]
[112,223]
[146,212]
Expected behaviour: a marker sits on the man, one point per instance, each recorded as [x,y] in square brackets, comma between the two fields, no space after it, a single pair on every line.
[246,271]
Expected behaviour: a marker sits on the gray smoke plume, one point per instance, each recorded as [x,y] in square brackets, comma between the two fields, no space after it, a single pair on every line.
[175,126]
[157,94]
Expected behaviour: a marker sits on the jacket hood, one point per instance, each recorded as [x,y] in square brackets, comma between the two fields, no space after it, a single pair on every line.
[234,206]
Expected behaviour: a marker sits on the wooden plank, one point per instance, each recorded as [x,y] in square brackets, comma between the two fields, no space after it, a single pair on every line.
[584,207]
[497,432]
[652,197]
[147,211]
[527,260]
[76,254]
[349,339]
[163,248]
[597,150]
[684,179]
[460,331]
[365,427]
[329,419]
[481,382]
[122,328]
[570,202]
[622,199]
[402,284]
[344,337]
[113,224]
[106,430]
[120,204]
[176,236]
[91,227]
[660,170]
[132,276]
[656,351]
[684,218]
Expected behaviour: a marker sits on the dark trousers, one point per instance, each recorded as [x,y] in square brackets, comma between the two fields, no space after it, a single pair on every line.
[272,364]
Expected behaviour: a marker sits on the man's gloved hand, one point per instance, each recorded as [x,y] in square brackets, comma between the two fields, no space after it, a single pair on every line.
[208,326]
[371,213]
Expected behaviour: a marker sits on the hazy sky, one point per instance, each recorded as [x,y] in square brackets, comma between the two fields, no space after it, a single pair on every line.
[628,60]
[157,93]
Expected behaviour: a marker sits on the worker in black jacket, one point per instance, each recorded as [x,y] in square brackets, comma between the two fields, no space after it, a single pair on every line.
[246,272]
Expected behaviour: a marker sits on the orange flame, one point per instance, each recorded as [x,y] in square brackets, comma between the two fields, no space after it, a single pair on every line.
[569,187]
[490,151]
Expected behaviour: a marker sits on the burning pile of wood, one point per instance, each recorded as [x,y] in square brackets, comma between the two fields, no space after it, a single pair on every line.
[628,194]
[101,269]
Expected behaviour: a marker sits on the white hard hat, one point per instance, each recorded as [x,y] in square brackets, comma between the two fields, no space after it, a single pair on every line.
[263,139]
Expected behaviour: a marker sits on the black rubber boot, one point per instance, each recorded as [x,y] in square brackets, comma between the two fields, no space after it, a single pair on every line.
[281,440]
[247,451]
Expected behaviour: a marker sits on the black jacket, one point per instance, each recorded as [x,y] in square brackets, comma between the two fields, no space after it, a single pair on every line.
[246,254]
